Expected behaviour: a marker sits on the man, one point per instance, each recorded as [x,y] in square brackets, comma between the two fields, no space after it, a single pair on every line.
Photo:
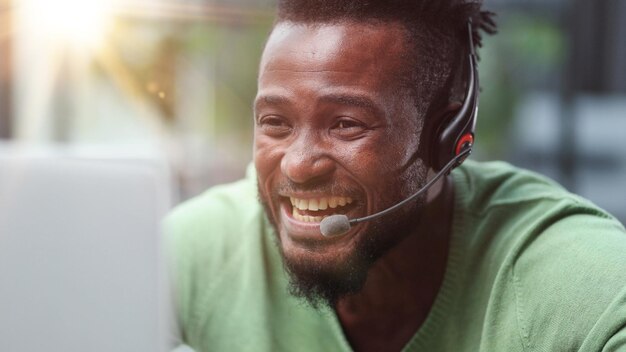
[355,102]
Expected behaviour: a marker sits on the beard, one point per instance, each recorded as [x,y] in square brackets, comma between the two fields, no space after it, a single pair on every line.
[320,283]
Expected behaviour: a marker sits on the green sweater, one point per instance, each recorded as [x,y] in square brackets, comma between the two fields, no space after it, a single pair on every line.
[530,268]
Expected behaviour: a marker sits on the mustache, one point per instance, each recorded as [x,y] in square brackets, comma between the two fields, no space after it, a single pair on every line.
[287,186]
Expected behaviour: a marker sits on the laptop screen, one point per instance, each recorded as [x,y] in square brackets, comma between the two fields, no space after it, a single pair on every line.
[80,253]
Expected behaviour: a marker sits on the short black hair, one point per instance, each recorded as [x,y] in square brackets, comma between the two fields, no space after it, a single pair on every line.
[436,29]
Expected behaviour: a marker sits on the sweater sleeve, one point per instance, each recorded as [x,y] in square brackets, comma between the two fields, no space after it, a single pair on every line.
[609,332]
[617,342]
[572,283]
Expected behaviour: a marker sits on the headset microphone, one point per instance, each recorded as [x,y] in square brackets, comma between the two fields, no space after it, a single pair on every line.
[452,144]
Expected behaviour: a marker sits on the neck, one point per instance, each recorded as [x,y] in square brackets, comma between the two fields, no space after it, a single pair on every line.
[402,285]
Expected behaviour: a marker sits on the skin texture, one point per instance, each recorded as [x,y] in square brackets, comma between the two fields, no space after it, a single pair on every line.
[330,119]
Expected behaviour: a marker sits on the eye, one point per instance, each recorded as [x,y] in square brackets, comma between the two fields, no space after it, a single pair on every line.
[274,126]
[347,124]
[348,128]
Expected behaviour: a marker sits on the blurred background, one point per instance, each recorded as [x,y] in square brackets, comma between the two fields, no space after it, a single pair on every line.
[177,78]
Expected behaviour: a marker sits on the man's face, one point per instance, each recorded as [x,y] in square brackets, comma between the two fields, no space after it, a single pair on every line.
[335,133]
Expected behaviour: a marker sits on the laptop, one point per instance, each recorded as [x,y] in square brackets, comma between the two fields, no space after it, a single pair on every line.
[81,267]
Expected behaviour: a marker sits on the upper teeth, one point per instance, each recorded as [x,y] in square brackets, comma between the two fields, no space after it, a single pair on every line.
[319,203]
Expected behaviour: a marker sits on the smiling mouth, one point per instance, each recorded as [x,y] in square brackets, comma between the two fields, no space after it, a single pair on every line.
[316,209]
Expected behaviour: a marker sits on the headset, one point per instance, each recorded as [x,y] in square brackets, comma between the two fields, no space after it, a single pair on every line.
[456,133]
[452,144]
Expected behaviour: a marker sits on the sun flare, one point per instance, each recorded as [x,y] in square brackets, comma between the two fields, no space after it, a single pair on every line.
[78,22]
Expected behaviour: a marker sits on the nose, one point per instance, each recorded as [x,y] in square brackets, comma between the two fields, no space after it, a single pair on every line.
[306,160]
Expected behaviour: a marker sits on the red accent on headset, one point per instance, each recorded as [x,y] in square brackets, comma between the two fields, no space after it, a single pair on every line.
[467,138]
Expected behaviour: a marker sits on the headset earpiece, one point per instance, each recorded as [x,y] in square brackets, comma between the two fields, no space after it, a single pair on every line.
[457,132]
[466,142]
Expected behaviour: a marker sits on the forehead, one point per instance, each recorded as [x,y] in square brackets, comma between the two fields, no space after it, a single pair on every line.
[350,50]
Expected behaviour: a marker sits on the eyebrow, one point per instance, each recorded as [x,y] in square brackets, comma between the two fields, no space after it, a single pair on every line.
[360,101]
[269,100]
[273,99]
[352,100]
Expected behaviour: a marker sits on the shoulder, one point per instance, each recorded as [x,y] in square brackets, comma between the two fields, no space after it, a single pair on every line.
[208,239]
[217,223]
[562,258]
[521,205]
[487,185]
[220,206]
[213,218]
[536,210]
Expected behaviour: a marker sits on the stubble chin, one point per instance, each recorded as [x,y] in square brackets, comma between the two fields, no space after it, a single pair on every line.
[316,274]
[321,279]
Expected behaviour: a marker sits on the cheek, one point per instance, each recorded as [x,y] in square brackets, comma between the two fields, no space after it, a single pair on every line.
[267,155]
[403,150]
[385,156]
[387,167]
